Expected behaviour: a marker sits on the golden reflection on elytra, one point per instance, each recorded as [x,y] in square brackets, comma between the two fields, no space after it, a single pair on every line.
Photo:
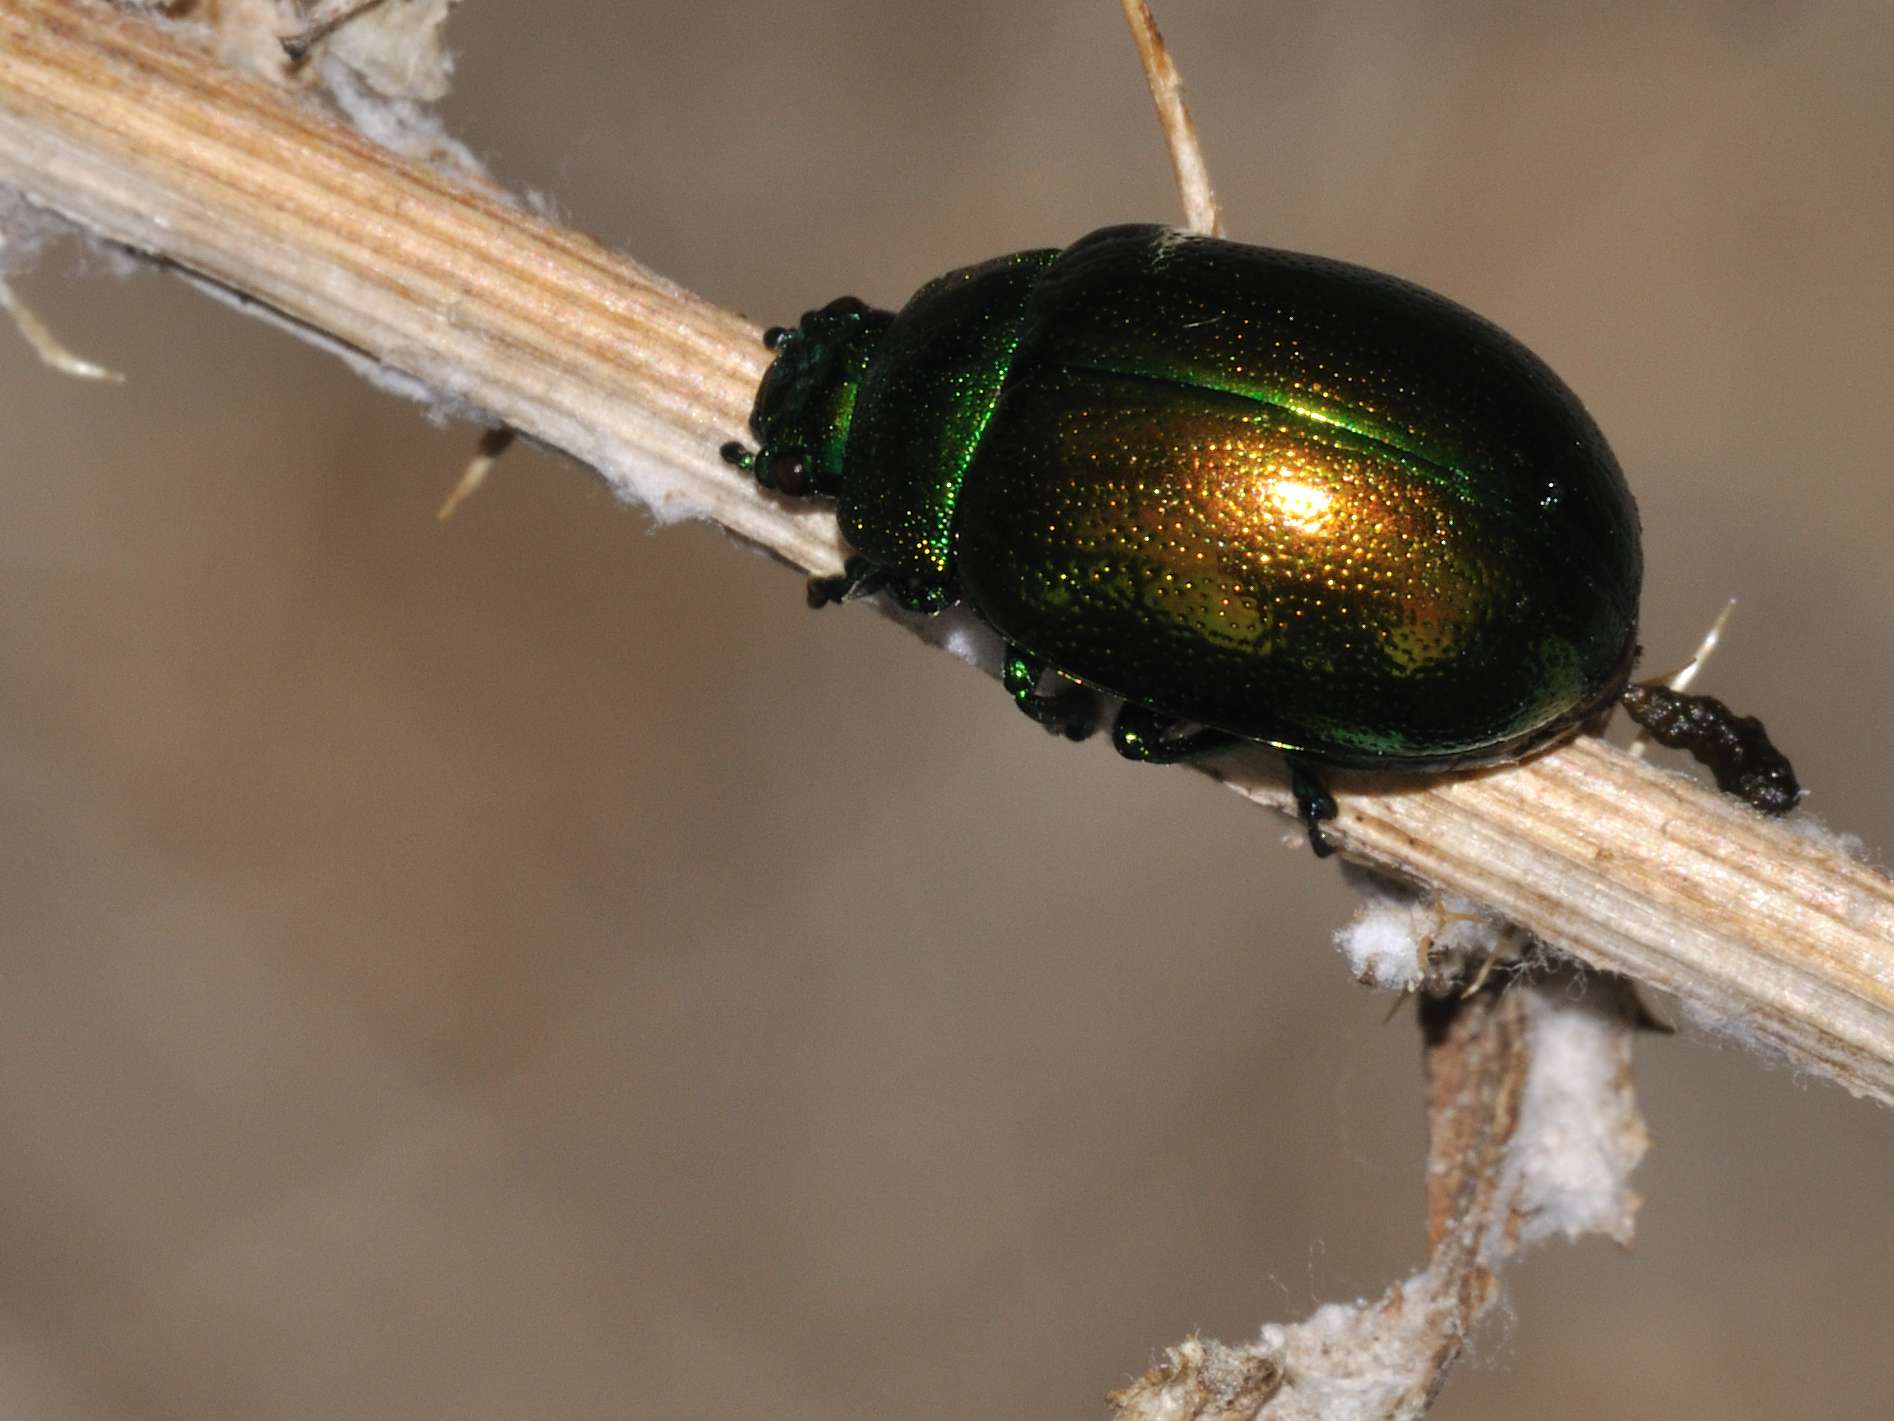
[1303,506]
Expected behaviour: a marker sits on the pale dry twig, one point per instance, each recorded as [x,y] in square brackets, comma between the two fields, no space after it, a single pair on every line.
[444,290]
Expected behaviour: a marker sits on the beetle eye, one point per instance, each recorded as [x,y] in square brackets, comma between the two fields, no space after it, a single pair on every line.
[786,473]
[774,337]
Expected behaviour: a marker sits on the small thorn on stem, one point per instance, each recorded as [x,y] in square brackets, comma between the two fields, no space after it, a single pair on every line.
[493,443]
[1680,679]
[48,347]
[321,25]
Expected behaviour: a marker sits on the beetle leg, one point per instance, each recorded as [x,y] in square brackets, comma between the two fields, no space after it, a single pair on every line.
[1313,804]
[1071,712]
[1140,733]
[1735,748]
[859,579]
[862,578]
[917,595]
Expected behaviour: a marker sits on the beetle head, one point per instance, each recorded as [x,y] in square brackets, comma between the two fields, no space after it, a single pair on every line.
[807,396]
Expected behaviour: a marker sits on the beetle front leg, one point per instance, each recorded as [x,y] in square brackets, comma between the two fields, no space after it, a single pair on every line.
[1072,711]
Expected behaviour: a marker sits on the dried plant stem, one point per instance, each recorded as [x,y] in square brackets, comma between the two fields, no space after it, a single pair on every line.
[1500,1154]
[119,127]
[1201,213]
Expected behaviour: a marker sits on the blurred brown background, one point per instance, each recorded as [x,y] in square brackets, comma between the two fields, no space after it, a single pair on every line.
[533,967]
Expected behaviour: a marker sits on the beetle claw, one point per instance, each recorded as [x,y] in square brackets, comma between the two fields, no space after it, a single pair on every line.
[1313,805]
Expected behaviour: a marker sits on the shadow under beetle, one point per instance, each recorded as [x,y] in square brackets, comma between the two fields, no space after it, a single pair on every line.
[1257,495]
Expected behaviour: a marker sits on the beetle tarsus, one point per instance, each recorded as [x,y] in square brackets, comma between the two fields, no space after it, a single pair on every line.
[859,578]
[913,594]
[1734,748]
[1313,805]
[1152,738]
[1071,711]
[824,590]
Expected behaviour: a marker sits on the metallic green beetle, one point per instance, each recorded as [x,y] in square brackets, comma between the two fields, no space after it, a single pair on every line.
[1254,494]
